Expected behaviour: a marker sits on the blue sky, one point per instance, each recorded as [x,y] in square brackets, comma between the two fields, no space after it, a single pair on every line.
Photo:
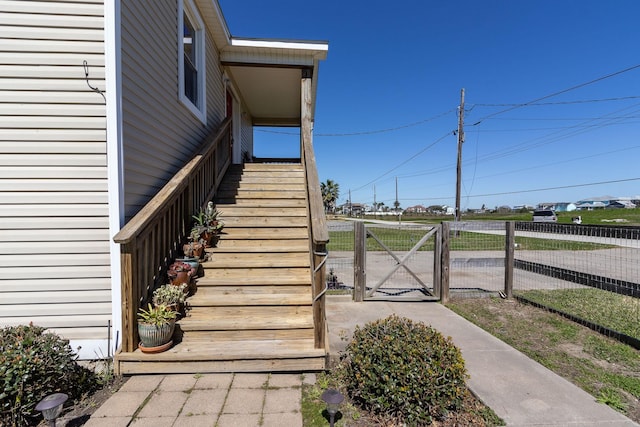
[390,87]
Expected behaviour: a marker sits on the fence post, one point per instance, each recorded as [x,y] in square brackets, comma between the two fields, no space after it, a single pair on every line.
[444,269]
[359,261]
[508,260]
[437,262]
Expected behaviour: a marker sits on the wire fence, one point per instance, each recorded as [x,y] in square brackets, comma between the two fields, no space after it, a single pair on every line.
[476,258]
[590,274]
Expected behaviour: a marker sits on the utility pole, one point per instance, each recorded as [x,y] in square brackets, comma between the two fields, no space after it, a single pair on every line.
[375,205]
[460,142]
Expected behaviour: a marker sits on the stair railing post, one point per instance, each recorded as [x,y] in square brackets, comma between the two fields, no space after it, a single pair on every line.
[444,269]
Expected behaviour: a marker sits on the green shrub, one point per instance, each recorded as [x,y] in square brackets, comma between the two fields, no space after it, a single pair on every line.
[34,364]
[404,370]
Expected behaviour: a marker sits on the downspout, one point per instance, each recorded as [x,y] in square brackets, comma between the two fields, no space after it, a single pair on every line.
[115,172]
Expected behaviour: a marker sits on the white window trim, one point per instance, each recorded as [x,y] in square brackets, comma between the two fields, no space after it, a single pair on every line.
[200,111]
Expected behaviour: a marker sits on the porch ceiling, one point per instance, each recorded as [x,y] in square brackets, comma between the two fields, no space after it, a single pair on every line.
[267,76]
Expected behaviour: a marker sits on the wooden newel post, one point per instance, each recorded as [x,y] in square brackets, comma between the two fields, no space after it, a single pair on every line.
[510,244]
[359,261]
[129,297]
[444,269]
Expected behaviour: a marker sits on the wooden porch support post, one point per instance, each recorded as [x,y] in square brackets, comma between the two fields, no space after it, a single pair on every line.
[446,234]
[359,260]
[509,256]
[129,297]
[317,220]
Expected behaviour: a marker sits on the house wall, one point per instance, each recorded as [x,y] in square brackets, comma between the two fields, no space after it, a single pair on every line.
[159,133]
[54,240]
[246,136]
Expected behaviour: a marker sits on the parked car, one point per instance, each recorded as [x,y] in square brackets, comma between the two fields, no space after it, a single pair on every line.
[544,215]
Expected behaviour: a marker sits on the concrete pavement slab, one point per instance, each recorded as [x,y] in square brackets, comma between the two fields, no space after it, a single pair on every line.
[249,380]
[204,402]
[180,382]
[239,420]
[279,420]
[283,400]
[213,381]
[285,380]
[196,420]
[164,404]
[244,401]
[122,404]
[142,383]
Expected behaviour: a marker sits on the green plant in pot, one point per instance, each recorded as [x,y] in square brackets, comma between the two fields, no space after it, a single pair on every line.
[208,224]
[195,247]
[180,272]
[155,328]
[171,296]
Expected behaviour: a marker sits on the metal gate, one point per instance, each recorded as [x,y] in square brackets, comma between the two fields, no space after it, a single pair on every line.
[397,262]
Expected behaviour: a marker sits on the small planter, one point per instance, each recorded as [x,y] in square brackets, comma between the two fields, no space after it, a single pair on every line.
[179,273]
[193,250]
[155,327]
[193,262]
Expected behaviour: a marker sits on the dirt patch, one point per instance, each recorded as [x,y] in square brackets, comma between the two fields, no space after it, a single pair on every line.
[79,413]
[603,367]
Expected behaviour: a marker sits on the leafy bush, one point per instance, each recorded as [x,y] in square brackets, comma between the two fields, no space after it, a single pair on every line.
[404,370]
[34,364]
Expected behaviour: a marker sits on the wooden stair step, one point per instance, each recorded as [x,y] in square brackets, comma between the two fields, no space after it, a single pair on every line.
[256,194]
[261,245]
[265,222]
[256,178]
[262,186]
[266,211]
[222,204]
[246,318]
[268,334]
[258,259]
[238,232]
[256,276]
[240,299]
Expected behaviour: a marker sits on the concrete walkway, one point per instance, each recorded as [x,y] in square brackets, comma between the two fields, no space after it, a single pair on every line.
[519,390]
[222,400]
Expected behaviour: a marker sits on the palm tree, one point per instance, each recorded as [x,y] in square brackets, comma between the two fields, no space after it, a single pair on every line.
[330,191]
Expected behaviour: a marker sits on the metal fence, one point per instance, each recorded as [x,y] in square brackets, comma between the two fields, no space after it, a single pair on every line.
[476,258]
[590,274]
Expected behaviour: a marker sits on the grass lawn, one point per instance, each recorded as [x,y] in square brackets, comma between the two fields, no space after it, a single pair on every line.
[603,367]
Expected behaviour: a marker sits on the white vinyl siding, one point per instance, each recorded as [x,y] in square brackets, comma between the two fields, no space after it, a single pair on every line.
[54,240]
[160,134]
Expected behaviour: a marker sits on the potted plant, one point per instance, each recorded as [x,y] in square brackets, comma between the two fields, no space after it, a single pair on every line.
[170,296]
[208,224]
[194,248]
[179,273]
[155,328]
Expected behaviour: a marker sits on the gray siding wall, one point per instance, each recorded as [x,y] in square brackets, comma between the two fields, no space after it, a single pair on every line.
[54,241]
[159,133]
[247,136]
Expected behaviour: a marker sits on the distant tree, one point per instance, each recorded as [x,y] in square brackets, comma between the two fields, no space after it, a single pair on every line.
[396,205]
[330,192]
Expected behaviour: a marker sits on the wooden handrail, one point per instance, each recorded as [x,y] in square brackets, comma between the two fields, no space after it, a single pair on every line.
[317,221]
[154,235]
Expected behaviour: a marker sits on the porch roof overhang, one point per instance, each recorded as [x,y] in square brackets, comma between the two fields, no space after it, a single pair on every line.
[266,73]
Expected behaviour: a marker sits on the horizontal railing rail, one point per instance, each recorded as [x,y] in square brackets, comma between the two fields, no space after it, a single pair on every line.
[153,236]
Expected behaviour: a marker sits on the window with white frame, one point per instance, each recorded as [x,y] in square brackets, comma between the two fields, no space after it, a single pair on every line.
[191,60]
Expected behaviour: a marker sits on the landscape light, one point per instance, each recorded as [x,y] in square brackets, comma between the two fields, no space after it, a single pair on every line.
[51,407]
[333,398]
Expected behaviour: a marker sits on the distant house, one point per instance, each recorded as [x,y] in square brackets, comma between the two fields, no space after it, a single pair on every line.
[621,204]
[589,206]
[558,206]
[416,209]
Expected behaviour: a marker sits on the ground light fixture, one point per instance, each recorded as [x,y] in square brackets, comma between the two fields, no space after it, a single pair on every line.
[51,407]
[333,398]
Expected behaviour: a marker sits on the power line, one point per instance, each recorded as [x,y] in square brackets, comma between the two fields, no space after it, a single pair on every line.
[582,101]
[404,162]
[535,101]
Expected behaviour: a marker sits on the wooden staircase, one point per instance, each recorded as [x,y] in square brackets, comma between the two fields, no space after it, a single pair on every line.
[252,310]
